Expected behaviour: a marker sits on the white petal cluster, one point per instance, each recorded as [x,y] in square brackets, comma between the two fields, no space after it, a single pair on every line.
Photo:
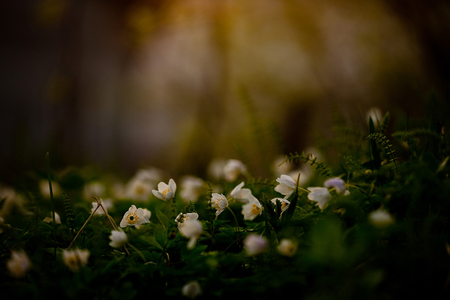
[118,239]
[252,209]
[241,195]
[75,259]
[106,204]
[380,218]
[287,247]
[19,264]
[191,188]
[165,191]
[255,244]
[135,216]
[191,229]
[321,195]
[191,290]
[181,218]
[284,204]
[140,186]
[219,202]
[286,185]
[338,184]
[233,168]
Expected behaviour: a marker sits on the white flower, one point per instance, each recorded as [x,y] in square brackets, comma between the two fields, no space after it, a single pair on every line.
[286,185]
[284,204]
[181,218]
[134,217]
[19,264]
[50,219]
[219,202]
[255,244]
[75,259]
[252,209]
[138,189]
[118,239]
[338,184]
[45,188]
[150,175]
[105,204]
[191,289]
[191,229]
[240,194]
[380,218]
[146,216]
[287,247]
[216,168]
[321,195]
[233,168]
[95,189]
[191,187]
[165,191]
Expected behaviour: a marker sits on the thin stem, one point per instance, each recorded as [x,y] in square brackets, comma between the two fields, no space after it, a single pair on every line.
[99,204]
[51,199]
[71,243]
[235,219]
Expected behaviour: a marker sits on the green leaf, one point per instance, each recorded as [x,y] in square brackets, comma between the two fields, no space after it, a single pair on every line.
[151,241]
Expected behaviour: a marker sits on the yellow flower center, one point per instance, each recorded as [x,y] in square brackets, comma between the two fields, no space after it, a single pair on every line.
[73,262]
[255,209]
[132,218]
[165,191]
[283,205]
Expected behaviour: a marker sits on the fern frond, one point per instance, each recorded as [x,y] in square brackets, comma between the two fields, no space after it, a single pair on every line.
[68,209]
[311,159]
[381,138]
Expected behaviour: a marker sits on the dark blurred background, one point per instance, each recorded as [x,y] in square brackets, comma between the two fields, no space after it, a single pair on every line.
[122,84]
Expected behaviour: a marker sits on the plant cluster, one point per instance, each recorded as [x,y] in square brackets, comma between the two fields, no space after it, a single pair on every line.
[376,226]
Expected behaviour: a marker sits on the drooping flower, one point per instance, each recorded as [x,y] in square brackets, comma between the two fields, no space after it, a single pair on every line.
[255,244]
[191,290]
[284,204]
[338,184]
[106,204]
[165,191]
[191,229]
[19,264]
[181,218]
[50,219]
[240,194]
[233,168]
[287,247]
[380,218]
[191,188]
[219,202]
[252,209]
[286,185]
[134,217]
[321,195]
[75,259]
[118,239]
